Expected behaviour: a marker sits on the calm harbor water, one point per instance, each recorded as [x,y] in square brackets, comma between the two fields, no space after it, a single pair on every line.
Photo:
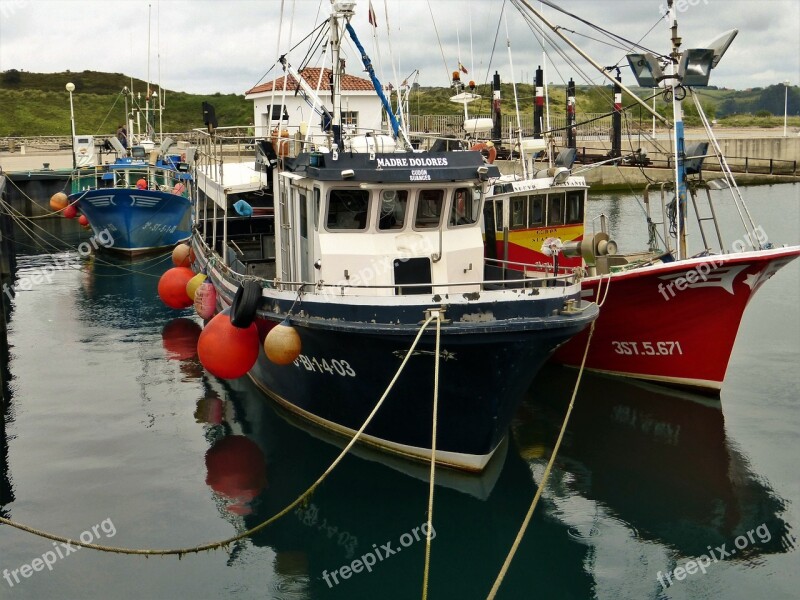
[114,430]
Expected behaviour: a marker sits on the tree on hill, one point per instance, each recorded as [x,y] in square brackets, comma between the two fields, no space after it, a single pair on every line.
[11,77]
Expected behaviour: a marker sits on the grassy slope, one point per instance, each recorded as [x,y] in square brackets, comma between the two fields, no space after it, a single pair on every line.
[37,104]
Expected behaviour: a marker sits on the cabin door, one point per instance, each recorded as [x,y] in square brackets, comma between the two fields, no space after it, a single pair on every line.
[305,233]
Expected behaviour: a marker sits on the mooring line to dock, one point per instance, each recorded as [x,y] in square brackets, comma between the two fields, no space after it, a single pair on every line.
[226,542]
[46,244]
[543,483]
[428,537]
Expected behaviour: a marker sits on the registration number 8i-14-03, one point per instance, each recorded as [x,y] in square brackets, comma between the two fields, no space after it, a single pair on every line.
[647,348]
[334,367]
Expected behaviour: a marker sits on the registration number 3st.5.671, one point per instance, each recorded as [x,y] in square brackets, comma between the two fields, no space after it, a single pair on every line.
[647,348]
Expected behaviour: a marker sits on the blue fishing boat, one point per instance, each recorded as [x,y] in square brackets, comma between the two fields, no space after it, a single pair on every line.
[143,204]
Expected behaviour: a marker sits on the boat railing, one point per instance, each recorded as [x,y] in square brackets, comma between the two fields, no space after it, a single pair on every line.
[529,269]
[110,176]
[543,280]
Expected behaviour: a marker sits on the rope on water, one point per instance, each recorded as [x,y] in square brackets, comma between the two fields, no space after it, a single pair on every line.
[428,539]
[226,542]
[526,521]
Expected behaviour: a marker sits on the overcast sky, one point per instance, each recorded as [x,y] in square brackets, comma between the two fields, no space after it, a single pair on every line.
[208,46]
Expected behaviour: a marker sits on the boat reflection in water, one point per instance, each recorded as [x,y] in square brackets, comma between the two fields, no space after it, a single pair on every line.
[656,460]
[258,463]
[644,478]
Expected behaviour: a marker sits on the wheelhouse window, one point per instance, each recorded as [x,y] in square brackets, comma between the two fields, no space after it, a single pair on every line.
[347,210]
[430,204]
[555,209]
[498,215]
[392,209]
[575,207]
[519,212]
[535,211]
[465,207]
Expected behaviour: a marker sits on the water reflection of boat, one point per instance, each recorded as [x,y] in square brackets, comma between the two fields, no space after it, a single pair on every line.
[364,504]
[662,465]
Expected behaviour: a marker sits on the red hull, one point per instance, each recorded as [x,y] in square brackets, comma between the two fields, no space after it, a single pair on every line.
[658,326]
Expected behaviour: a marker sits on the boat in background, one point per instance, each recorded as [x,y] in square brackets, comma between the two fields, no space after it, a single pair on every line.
[352,243]
[141,199]
[668,315]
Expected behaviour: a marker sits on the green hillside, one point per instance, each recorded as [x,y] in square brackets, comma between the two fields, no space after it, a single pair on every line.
[38,104]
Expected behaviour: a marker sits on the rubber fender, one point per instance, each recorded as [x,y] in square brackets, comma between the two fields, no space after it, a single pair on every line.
[245,303]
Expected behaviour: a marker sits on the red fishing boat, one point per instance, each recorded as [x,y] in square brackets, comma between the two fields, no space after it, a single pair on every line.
[667,315]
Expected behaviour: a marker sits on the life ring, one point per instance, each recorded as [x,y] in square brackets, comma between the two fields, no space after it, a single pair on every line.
[245,303]
[480,146]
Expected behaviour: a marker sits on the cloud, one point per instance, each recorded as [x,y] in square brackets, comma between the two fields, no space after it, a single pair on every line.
[207,46]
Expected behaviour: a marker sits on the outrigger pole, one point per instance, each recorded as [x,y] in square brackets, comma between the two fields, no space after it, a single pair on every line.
[591,61]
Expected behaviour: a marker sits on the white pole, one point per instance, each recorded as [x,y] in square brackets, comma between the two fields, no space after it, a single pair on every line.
[70,88]
[785,105]
[654,110]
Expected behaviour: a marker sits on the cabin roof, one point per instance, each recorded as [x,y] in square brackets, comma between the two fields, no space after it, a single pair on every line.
[349,83]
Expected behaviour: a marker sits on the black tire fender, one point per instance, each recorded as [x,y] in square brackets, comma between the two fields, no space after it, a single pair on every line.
[245,303]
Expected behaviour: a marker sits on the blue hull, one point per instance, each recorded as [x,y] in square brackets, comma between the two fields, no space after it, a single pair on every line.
[137,220]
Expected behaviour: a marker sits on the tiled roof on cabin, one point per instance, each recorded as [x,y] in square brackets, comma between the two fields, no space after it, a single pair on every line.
[350,83]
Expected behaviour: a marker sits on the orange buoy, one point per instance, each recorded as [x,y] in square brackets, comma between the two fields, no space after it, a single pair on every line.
[282,344]
[194,283]
[70,212]
[237,470]
[183,255]
[489,147]
[141,184]
[225,350]
[179,338]
[205,300]
[83,220]
[172,287]
[58,201]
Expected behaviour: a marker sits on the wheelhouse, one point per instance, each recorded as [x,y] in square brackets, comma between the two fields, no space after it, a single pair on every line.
[520,216]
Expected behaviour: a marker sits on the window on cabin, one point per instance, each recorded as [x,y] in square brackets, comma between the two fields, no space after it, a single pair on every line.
[347,209]
[430,204]
[555,209]
[464,210]
[498,215]
[575,207]
[350,119]
[518,212]
[535,211]
[393,205]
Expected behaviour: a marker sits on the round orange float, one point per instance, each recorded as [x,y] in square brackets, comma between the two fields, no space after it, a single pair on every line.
[225,350]
[172,287]
[182,255]
[58,201]
[70,212]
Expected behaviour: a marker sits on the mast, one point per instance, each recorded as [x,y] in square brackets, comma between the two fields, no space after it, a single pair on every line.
[341,10]
[678,134]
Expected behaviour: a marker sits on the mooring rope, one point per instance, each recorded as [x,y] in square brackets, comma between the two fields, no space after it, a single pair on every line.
[226,542]
[526,521]
[428,539]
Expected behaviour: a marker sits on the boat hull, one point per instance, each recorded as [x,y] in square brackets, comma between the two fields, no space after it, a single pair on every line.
[138,221]
[673,323]
[350,354]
